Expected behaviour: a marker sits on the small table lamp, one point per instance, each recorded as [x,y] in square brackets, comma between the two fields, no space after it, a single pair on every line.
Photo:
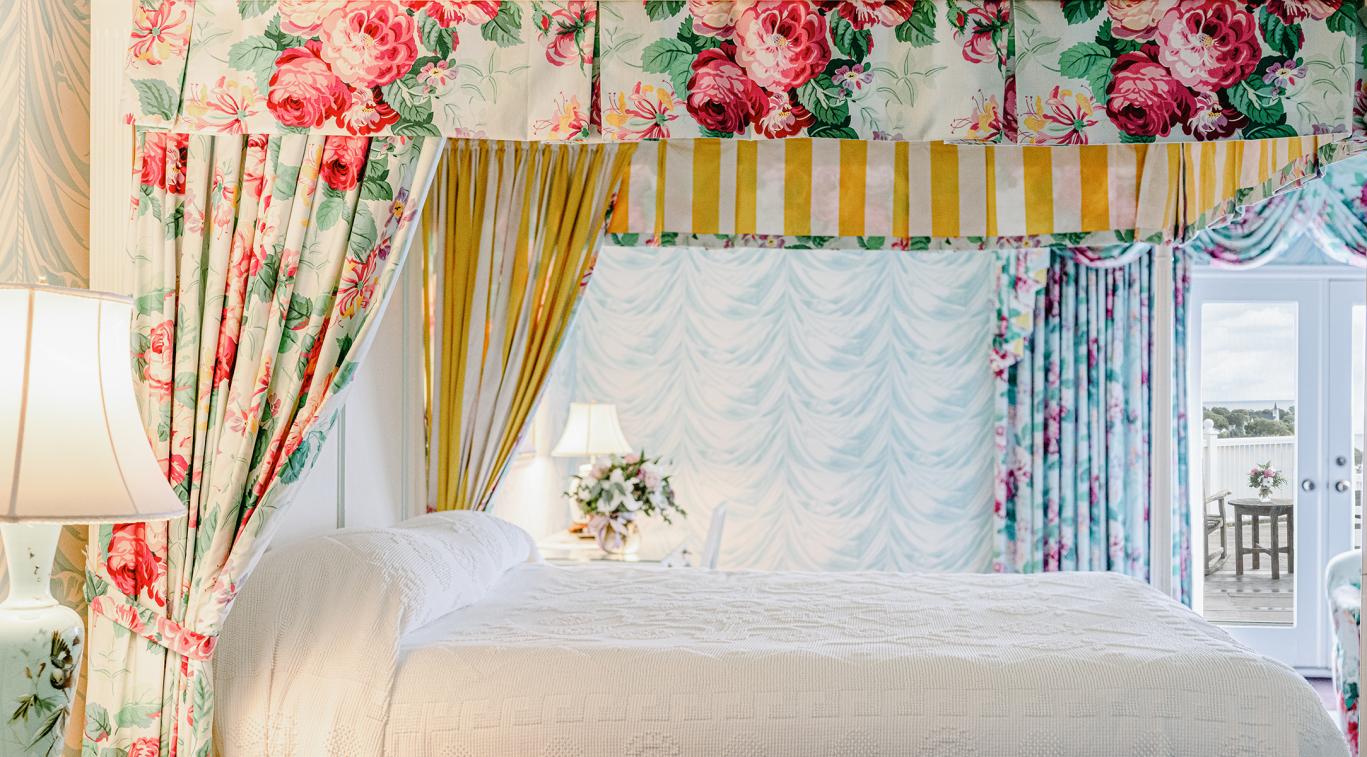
[592,430]
[72,450]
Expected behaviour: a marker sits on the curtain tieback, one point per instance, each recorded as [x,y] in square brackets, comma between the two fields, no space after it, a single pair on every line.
[150,625]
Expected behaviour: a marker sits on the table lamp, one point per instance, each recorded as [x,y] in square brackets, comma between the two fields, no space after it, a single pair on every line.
[72,450]
[591,431]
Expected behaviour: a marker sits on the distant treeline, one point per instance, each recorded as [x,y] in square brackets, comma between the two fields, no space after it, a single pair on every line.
[1238,423]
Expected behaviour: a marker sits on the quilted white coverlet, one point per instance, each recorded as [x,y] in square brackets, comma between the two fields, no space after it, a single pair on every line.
[623,660]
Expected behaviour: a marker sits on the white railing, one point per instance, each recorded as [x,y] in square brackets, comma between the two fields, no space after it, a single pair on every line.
[1228,462]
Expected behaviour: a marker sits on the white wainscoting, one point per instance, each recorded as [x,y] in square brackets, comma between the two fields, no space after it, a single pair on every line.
[838,402]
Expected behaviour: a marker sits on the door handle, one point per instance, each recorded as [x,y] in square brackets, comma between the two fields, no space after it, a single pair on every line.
[1342,486]
[1307,485]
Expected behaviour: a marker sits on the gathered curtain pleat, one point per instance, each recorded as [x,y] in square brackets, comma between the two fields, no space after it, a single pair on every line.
[519,226]
[1073,358]
[263,265]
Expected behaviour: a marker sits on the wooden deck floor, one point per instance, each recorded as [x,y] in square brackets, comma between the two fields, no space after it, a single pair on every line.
[1253,598]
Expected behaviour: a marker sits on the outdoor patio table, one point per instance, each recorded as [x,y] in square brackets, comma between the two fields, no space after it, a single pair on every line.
[1256,509]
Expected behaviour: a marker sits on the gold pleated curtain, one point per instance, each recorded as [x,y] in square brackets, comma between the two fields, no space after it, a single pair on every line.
[514,228]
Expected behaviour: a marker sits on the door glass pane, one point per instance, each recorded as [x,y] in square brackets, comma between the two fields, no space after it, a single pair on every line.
[1359,336]
[1248,399]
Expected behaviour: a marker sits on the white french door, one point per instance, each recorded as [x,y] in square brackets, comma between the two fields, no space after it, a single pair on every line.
[1276,364]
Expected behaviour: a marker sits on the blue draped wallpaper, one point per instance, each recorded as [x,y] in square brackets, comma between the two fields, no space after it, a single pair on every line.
[838,402]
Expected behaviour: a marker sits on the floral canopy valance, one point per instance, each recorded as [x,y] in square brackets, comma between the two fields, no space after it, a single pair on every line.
[1029,72]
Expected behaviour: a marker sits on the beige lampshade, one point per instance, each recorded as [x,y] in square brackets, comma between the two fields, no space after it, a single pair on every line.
[592,430]
[72,445]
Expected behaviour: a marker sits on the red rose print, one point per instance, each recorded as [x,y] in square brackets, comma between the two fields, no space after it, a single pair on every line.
[159,359]
[783,117]
[1210,119]
[1143,98]
[343,160]
[981,29]
[1296,11]
[570,33]
[153,167]
[1137,19]
[714,18]
[303,90]
[782,44]
[1208,44]
[366,113]
[147,746]
[865,13]
[132,565]
[448,13]
[368,43]
[720,96]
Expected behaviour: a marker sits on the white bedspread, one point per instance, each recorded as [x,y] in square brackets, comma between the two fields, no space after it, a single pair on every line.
[624,660]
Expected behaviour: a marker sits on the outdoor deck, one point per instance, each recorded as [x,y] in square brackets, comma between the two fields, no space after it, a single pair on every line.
[1253,598]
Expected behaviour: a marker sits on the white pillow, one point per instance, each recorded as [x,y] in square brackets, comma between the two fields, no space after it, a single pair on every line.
[318,625]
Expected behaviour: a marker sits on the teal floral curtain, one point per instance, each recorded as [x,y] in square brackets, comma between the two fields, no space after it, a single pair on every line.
[1073,357]
[263,264]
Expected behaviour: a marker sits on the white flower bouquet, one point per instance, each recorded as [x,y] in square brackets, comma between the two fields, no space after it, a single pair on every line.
[617,492]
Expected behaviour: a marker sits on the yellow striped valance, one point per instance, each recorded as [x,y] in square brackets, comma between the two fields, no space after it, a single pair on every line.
[947,195]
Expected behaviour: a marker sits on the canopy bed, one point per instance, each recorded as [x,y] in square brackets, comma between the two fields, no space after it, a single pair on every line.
[286,149]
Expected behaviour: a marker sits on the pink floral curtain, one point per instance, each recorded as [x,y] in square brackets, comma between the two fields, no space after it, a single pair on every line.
[263,264]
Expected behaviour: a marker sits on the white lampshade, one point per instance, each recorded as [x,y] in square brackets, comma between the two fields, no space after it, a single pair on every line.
[72,445]
[592,430]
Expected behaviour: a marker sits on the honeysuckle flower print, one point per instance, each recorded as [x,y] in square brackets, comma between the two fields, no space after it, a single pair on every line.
[160,32]
[357,286]
[643,113]
[853,78]
[570,120]
[1062,118]
[225,107]
[863,14]
[1296,11]
[1286,74]
[984,124]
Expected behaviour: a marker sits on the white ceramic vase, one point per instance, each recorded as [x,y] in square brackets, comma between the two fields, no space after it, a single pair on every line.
[40,646]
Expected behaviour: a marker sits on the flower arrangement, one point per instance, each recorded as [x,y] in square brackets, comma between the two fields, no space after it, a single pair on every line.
[618,491]
[1265,479]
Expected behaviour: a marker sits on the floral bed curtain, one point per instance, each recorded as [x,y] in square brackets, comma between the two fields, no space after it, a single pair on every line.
[1073,357]
[520,227]
[263,264]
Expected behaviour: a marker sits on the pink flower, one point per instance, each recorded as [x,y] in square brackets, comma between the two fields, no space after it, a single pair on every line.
[720,96]
[1209,119]
[125,615]
[147,746]
[368,43]
[436,74]
[366,113]
[343,161]
[714,18]
[1208,44]
[782,45]
[1137,19]
[865,13]
[448,13]
[1143,98]
[133,567]
[983,30]
[302,18]
[159,33]
[783,117]
[853,77]
[183,640]
[176,468]
[159,358]
[1296,11]
[303,90]
[569,33]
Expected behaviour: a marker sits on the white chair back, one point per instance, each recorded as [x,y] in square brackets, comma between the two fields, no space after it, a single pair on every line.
[711,548]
